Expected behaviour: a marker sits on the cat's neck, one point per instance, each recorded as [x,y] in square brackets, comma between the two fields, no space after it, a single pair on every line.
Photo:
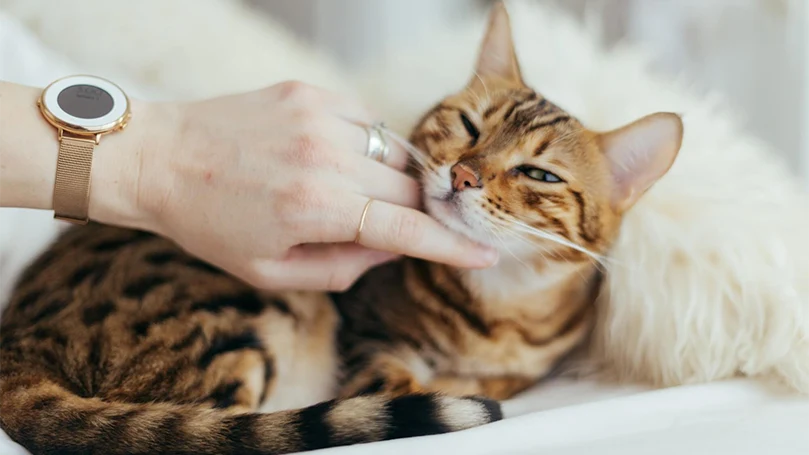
[514,283]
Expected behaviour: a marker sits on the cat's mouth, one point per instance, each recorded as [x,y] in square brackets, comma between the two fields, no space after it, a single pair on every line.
[451,210]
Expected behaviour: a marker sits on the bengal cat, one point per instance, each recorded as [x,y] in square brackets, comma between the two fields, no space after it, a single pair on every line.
[117,342]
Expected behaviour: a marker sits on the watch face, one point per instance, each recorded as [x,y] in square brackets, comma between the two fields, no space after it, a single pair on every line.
[85,105]
[85,101]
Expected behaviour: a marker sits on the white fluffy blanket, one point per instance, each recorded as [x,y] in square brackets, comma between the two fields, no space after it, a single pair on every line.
[710,278]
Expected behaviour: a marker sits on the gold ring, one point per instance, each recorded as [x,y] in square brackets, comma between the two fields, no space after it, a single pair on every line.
[362,220]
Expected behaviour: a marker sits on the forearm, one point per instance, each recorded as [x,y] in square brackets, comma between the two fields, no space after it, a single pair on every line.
[28,153]
[27,150]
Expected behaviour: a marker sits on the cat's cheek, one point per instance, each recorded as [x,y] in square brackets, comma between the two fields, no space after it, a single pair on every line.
[446,213]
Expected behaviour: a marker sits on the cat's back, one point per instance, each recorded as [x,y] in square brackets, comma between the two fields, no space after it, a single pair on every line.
[127,315]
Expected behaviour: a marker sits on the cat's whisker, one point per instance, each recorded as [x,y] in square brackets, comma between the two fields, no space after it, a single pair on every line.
[565,136]
[527,229]
[473,94]
[598,262]
[538,247]
[483,83]
[493,231]
[420,156]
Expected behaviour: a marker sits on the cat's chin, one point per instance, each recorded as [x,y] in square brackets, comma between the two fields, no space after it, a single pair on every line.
[447,212]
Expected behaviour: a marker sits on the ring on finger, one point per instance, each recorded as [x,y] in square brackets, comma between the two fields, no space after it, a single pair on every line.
[362,220]
[378,148]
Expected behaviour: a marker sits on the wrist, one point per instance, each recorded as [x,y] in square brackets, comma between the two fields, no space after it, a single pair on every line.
[128,176]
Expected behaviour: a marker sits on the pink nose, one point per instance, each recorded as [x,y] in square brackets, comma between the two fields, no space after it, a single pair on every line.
[463,178]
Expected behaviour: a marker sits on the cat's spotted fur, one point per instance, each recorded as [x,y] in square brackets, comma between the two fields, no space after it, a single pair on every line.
[117,342]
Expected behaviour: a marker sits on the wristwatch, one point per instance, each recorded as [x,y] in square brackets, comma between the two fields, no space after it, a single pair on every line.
[82,108]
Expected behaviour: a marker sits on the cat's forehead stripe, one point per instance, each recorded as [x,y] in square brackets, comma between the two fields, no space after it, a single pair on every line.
[548,122]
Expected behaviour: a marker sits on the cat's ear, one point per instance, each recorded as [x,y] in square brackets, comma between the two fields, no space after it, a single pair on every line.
[497,58]
[639,154]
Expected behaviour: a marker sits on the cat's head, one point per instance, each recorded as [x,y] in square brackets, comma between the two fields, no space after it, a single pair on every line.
[510,169]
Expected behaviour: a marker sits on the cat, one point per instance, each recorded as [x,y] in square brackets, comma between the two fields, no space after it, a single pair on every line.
[117,342]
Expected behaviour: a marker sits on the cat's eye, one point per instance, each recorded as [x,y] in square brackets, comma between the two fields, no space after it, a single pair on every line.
[470,128]
[539,174]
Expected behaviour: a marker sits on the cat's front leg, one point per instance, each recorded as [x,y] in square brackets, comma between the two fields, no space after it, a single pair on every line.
[496,388]
[384,373]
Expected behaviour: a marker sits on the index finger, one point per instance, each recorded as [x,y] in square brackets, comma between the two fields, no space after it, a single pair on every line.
[405,231]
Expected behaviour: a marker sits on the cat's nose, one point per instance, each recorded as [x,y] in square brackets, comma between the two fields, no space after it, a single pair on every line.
[463,177]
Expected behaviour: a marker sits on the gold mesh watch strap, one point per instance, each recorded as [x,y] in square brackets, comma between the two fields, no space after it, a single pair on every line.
[71,191]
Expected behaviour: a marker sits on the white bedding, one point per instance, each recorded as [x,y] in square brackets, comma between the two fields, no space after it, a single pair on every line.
[560,417]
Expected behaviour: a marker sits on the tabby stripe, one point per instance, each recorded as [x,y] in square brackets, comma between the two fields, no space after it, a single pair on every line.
[574,321]
[143,285]
[167,257]
[560,228]
[222,344]
[30,298]
[224,396]
[116,244]
[189,339]
[45,403]
[203,266]
[542,146]
[118,428]
[97,313]
[163,383]
[583,232]
[247,302]
[373,387]
[471,319]
[168,432]
[512,109]
[92,370]
[269,375]
[491,110]
[49,311]
[42,333]
[242,435]
[134,363]
[373,329]
[313,429]
[432,112]
[548,123]
[413,415]
[82,273]
[442,320]
[141,328]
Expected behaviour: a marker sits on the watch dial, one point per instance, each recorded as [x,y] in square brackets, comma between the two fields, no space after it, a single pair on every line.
[85,101]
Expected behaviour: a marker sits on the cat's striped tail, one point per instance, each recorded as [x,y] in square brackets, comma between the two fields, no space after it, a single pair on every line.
[46,419]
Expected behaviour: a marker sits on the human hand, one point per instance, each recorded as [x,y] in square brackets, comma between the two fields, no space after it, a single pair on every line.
[271,185]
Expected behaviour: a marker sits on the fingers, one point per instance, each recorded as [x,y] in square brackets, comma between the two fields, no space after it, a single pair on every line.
[332,267]
[404,231]
[380,182]
[396,158]
[353,137]
[309,96]
[352,116]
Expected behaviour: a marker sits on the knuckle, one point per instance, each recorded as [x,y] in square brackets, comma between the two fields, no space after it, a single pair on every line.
[298,198]
[296,91]
[304,117]
[307,151]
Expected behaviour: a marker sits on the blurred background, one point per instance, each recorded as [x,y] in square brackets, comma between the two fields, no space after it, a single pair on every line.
[755,53]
